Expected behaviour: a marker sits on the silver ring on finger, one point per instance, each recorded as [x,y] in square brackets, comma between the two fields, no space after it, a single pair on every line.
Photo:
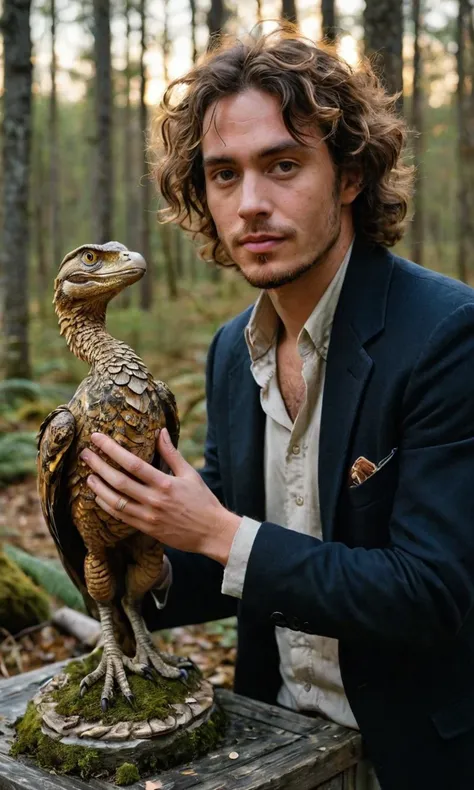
[121,504]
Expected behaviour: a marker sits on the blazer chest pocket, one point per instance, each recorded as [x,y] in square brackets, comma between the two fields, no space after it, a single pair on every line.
[368,508]
[379,486]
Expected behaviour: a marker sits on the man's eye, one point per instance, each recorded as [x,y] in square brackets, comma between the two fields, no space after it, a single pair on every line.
[224,175]
[286,166]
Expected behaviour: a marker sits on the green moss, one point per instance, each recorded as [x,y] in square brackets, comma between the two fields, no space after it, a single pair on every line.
[127,774]
[152,697]
[50,754]
[22,603]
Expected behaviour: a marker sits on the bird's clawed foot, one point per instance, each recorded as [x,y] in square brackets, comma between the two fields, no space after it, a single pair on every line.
[112,666]
[166,665]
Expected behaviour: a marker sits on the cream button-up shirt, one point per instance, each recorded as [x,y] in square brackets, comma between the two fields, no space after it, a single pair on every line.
[309,664]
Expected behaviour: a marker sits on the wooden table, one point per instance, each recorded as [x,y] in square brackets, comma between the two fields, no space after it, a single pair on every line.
[276,749]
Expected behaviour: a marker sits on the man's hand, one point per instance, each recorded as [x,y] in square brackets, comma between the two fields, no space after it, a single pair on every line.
[180,511]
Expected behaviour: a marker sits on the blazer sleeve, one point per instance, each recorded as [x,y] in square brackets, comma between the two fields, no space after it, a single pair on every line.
[420,589]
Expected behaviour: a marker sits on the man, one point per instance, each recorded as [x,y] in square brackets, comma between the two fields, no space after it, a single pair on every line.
[338,489]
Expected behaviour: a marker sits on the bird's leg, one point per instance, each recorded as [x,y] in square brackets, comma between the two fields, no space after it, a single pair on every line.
[141,576]
[147,653]
[101,586]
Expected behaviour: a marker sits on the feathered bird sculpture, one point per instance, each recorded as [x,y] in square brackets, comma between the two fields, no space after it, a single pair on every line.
[112,564]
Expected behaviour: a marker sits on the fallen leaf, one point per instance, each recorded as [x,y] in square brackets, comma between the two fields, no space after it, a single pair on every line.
[189,772]
[154,785]
[233,755]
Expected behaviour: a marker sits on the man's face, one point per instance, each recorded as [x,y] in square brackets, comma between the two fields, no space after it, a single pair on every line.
[276,203]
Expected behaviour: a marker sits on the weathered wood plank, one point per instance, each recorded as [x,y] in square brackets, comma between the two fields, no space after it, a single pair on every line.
[269,714]
[303,765]
[16,775]
[336,783]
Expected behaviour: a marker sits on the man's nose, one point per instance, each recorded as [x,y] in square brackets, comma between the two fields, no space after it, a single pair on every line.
[254,199]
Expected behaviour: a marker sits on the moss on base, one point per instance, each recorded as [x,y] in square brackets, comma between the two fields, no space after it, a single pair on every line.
[152,697]
[84,761]
[22,603]
[127,774]
[50,754]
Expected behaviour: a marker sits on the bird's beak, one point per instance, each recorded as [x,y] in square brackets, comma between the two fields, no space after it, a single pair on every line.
[134,260]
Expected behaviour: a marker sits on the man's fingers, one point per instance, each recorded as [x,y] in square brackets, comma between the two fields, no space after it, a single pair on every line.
[131,463]
[115,478]
[170,454]
[137,523]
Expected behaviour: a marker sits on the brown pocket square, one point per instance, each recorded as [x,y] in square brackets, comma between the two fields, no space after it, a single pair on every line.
[361,470]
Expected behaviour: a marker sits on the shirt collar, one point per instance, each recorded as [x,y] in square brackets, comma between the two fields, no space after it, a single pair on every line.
[262,328]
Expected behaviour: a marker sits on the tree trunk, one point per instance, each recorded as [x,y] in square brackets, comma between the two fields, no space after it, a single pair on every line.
[146,283]
[166,231]
[383,24]
[328,20]
[54,163]
[288,11]
[40,221]
[194,53]
[16,162]
[417,123]
[129,160]
[465,145]
[178,252]
[103,192]
[216,19]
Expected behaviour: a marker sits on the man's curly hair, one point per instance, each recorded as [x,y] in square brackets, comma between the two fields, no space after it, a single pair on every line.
[314,85]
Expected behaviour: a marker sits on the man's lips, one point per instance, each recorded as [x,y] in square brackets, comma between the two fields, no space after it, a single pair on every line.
[262,245]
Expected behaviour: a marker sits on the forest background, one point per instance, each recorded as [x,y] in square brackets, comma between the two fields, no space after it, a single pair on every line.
[80,83]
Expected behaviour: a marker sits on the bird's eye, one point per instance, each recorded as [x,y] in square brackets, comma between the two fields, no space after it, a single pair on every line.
[89,257]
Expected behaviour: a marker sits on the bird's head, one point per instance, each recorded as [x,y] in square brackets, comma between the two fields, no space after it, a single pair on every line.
[96,273]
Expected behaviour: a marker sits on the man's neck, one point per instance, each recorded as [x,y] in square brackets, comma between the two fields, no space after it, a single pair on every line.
[295,302]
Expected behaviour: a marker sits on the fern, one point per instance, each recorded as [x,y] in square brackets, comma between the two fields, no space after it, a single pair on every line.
[17,455]
[12,390]
[48,574]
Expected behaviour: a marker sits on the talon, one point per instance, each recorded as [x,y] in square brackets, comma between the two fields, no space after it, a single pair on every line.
[148,673]
[130,699]
[183,675]
[83,688]
[104,704]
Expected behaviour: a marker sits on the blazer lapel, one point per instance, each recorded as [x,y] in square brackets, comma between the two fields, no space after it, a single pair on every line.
[360,315]
[247,435]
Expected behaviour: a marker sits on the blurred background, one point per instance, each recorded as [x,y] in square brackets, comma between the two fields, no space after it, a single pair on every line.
[80,82]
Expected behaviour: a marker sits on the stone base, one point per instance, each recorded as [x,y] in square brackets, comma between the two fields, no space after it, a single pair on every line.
[125,740]
[70,743]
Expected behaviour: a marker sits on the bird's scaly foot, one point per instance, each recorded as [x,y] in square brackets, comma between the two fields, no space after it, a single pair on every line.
[166,665]
[147,654]
[112,666]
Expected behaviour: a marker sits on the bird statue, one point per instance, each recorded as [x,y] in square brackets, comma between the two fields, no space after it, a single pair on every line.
[111,563]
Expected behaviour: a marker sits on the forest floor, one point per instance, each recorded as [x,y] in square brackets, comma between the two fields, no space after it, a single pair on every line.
[211,646]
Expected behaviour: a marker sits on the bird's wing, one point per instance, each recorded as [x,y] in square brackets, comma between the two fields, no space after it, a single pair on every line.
[170,411]
[55,437]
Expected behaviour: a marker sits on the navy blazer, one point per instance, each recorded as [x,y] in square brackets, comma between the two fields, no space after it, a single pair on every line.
[393,578]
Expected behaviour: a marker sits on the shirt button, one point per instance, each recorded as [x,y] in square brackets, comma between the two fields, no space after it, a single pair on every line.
[295,449]
[299,500]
